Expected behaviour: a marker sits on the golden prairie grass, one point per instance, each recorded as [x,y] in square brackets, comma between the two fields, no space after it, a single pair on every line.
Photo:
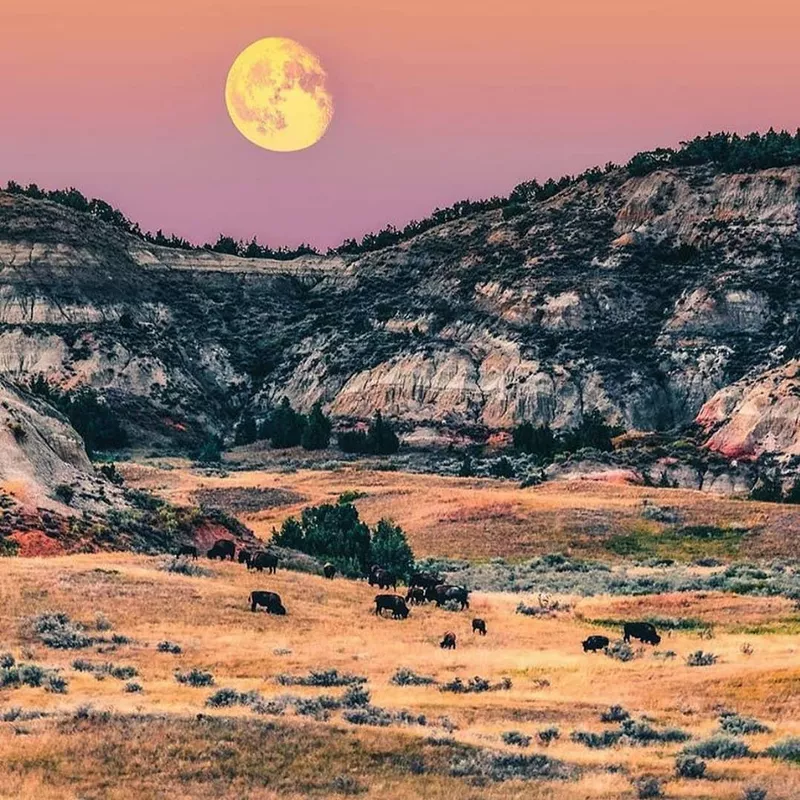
[479,518]
[155,744]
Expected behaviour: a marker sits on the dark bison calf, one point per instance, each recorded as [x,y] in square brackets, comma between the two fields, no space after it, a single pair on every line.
[415,596]
[222,549]
[595,643]
[393,603]
[264,561]
[187,550]
[268,600]
[245,557]
[448,642]
[479,625]
[644,631]
[329,571]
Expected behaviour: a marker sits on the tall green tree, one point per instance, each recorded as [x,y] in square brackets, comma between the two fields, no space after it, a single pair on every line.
[284,427]
[390,549]
[381,438]
[317,430]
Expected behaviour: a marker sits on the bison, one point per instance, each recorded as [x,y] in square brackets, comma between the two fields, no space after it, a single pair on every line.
[245,557]
[448,642]
[264,561]
[595,643]
[644,631]
[382,578]
[415,596]
[222,549]
[479,625]
[425,580]
[445,593]
[187,550]
[329,571]
[393,603]
[268,600]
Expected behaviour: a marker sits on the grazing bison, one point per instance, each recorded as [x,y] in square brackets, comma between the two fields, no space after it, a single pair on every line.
[643,631]
[479,625]
[425,580]
[595,643]
[393,603]
[187,550]
[448,642]
[264,561]
[329,571]
[245,557]
[268,600]
[444,593]
[222,549]
[382,578]
[415,596]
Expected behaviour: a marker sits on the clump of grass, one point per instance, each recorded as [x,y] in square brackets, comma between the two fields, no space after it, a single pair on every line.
[548,735]
[754,793]
[632,732]
[100,671]
[56,684]
[724,748]
[615,714]
[596,741]
[407,677]
[648,788]
[737,725]
[194,677]
[102,622]
[515,738]
[17,714]
[57,631]
[620,650]
[785,750]
[133,687]
[325,678]
[23,675]
[347,785]
[169,647]
[356,696]
[508,766]
[7,661]
[183,567]
[368,715]
[688,766]
[317,707]
[226,697]
[700,658]
[475,685]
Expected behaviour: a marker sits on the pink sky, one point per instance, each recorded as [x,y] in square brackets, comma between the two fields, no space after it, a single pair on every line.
[436,100]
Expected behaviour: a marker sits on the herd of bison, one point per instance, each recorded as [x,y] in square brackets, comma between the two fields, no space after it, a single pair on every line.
[423,587]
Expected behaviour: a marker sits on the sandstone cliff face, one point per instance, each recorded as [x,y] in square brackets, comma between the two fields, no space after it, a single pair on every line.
[40,451]
[647,299]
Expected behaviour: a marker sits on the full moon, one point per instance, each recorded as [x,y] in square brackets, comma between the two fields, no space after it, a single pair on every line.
[277,97]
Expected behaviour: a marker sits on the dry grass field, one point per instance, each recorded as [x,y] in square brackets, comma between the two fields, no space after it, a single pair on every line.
[165,740]
[479,519]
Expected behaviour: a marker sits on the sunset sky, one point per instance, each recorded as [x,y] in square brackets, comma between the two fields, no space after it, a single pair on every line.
[435,100]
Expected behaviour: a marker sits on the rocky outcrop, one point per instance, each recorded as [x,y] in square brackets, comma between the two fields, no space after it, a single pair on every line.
[644,298]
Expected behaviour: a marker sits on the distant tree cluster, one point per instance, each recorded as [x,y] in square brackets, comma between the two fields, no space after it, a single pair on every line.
[727,151]
[98,209]
[379,439]
[768,489]
[285,428]
[541,441]
[88,413]
[336,533]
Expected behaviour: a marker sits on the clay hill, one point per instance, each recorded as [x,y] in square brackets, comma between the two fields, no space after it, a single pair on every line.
[659,298]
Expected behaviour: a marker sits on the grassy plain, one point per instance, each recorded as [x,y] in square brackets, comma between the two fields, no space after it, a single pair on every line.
[166,740]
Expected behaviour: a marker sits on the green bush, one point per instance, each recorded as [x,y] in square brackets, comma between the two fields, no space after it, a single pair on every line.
[284,426]
[391,550]
[64,492]
[785,750]
[737,725]
[687,766]
[195,677]
[721,747]
[515,738]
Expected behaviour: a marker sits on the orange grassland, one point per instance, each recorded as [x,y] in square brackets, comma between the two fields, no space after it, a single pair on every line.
[164,741]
